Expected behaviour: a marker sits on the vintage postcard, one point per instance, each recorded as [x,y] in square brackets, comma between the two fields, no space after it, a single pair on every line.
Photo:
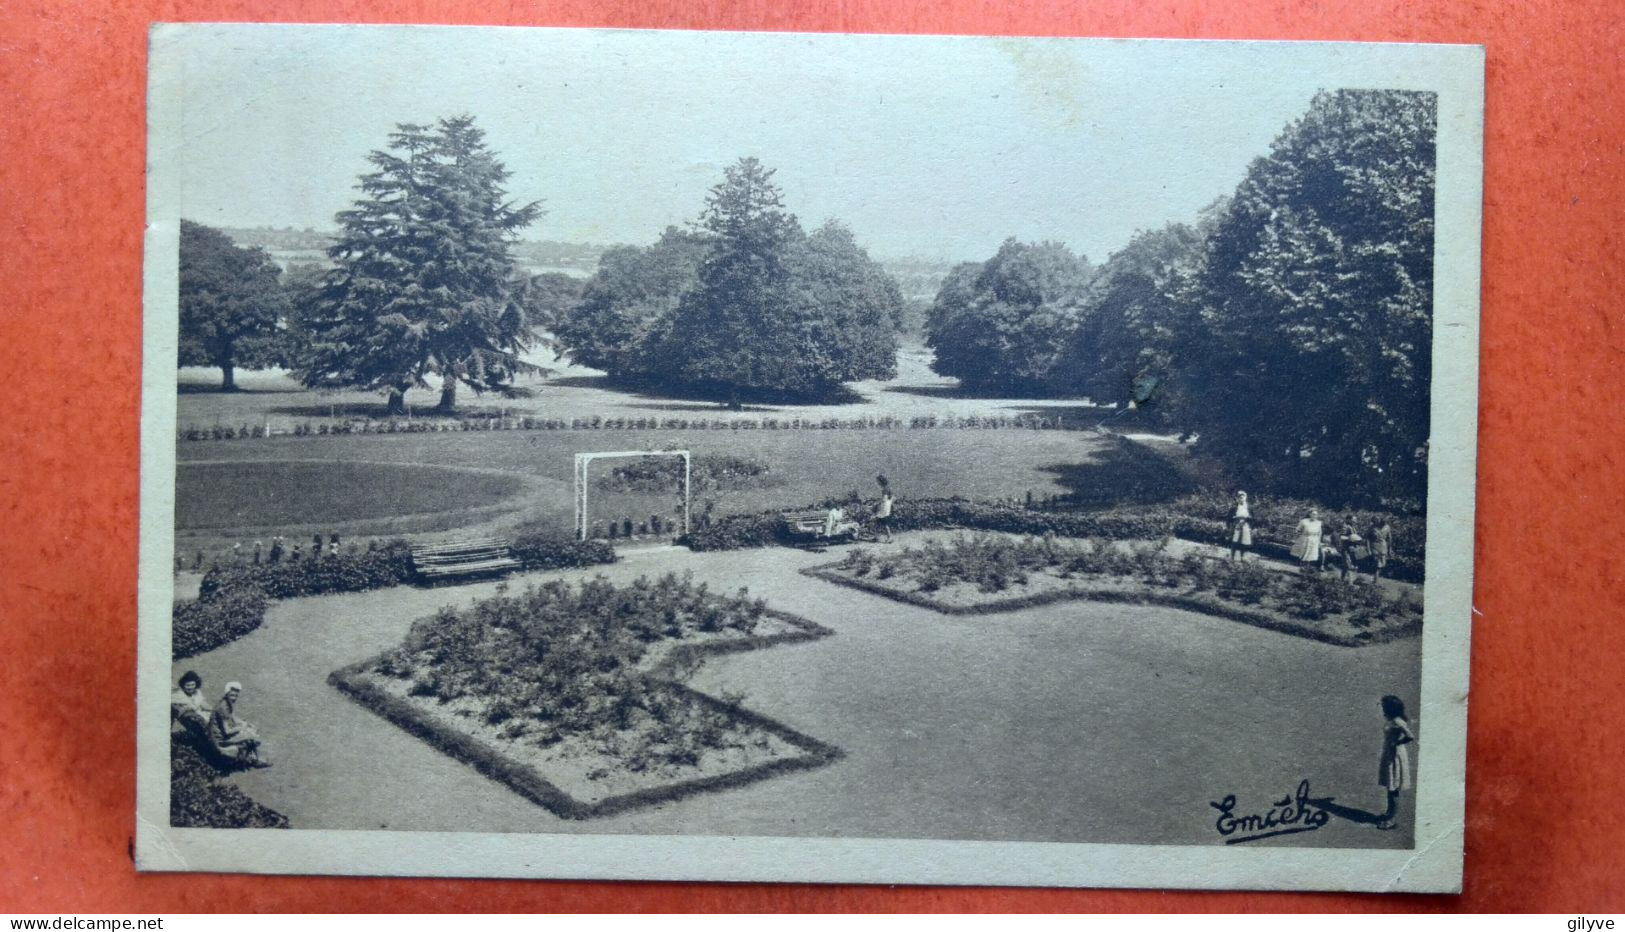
[894,459]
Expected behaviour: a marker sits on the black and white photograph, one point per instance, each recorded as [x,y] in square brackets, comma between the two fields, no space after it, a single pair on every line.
[898,459]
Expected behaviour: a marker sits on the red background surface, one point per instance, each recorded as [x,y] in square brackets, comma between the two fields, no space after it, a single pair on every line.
[1544,824]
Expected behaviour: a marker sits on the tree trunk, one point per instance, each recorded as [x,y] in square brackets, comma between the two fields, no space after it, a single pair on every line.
[228,377]
[448,395]
[397,401]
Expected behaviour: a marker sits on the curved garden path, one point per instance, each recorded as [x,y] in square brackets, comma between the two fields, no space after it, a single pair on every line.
[1072,722]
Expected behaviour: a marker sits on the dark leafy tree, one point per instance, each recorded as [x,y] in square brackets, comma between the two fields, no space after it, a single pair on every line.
[548,298]
[622,323]
[1001,325]
[231,303]
[1313,363]
[423,280]
[743,301]
[726,327]
[1137,311]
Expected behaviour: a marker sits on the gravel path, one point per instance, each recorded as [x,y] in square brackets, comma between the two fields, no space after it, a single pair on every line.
[1071,722]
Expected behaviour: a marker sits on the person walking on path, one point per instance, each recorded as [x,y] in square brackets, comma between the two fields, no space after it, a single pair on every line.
[1394,770]
[1382,544]
[1241,528]
[1309,546]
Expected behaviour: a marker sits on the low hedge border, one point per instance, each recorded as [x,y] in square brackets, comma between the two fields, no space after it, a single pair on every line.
[341,428]
[232,598]
[1203,604]
[355,682]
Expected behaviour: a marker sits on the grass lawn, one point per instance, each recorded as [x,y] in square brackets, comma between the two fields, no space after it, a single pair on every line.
[573,391]
[278,493]
[423,472]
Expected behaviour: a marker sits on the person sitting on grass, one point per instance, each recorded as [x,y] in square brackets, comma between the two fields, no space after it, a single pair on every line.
[232,735]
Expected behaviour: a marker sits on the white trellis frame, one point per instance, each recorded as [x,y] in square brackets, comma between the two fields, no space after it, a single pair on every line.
[584,460]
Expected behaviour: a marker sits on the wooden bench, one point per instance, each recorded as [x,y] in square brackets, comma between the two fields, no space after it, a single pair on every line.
[470,556]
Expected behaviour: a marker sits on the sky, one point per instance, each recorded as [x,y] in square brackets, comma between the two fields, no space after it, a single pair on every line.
[936,147]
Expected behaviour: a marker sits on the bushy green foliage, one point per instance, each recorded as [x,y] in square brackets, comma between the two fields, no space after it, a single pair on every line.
[1000,325]
[560,659]
[232,303]
[423,279]
[219,617]
[389,565]
[198,800]
[1311,368]
[708,472]
[744,301]
[548,552]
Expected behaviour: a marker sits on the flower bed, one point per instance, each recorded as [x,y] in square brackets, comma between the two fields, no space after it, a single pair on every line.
[984,574]
[572,695]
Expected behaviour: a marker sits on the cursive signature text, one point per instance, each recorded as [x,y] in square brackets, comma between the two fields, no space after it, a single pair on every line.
[1293,813]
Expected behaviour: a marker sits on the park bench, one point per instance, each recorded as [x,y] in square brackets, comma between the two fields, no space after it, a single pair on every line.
[806,528]
[462,557]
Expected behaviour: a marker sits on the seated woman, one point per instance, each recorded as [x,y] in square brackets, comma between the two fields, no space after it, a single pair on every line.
[836,525]
[233,735]
[186,704]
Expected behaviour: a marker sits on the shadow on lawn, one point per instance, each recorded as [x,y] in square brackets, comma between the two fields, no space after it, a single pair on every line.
[1122,473]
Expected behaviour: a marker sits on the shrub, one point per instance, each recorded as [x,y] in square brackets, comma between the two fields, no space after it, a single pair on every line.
[218,617]
[389,565]
[198,800]
[545,552]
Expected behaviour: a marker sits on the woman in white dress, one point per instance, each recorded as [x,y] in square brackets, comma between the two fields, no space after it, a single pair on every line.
[1311,534]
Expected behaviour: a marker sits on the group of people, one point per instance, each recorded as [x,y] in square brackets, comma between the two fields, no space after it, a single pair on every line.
[220,725]
[836,523]
[1317,545]
[280,549]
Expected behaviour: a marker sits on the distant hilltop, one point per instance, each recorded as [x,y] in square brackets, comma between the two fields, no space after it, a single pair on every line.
[918,278]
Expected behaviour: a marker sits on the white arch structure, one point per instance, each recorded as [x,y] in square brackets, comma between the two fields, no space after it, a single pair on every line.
[584,460]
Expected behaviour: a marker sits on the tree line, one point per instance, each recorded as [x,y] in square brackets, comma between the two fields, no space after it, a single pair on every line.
[1288,327]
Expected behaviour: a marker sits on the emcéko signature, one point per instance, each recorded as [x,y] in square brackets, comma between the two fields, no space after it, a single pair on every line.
[1295,812]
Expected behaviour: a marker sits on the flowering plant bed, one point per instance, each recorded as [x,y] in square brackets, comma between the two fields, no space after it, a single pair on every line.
[572,695]
[983,574]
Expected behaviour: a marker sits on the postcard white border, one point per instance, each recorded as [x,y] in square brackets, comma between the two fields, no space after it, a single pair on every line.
[1455,73]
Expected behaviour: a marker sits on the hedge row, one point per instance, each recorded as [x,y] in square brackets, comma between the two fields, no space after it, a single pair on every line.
[765,529]
[433,426]
[232,597]
[223,616]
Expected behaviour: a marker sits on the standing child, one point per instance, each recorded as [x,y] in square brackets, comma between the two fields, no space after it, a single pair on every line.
[1241,528]
[1394,771]
[883,512]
